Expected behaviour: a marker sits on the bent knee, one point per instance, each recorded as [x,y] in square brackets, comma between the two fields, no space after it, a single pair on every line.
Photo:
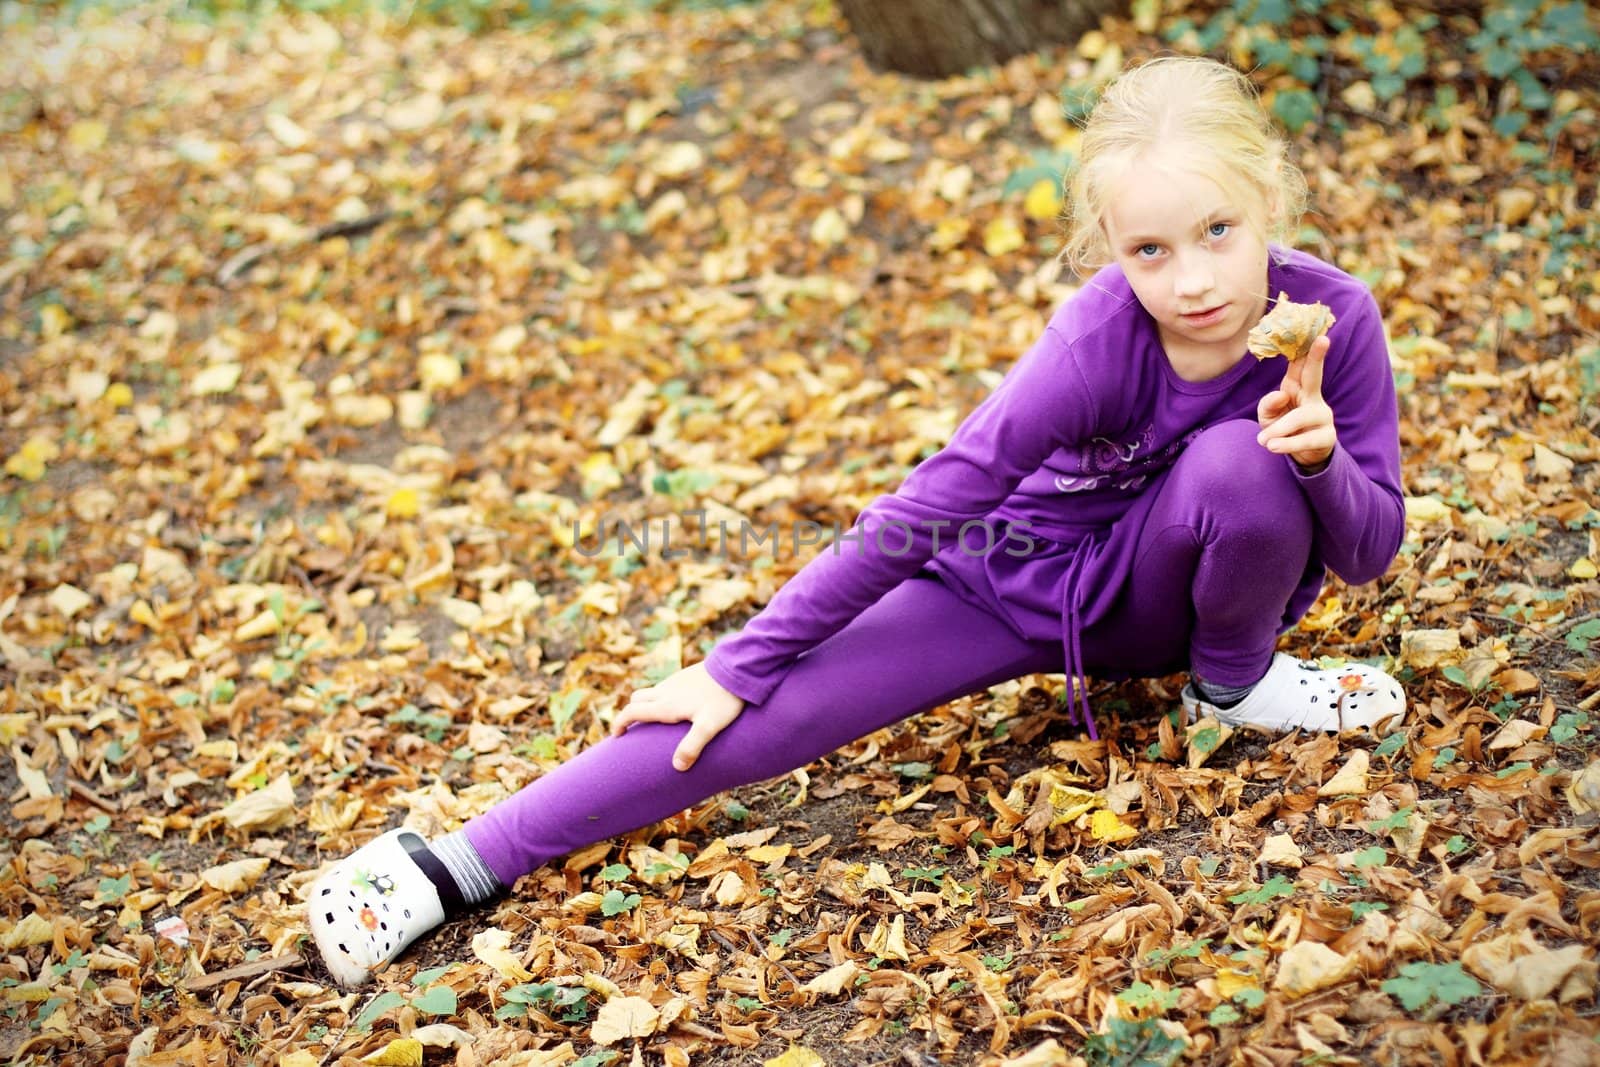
[1226,461]
[1244,493]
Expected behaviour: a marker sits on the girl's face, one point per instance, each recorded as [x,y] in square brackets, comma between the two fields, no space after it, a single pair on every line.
[1195,257]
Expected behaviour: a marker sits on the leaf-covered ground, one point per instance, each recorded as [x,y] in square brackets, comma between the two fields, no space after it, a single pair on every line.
[326,347]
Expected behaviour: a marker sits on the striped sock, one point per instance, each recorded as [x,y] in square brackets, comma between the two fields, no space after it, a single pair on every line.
[472,876]
[1221,696]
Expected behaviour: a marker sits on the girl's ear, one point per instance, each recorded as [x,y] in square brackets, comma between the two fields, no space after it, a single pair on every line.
[1276,210]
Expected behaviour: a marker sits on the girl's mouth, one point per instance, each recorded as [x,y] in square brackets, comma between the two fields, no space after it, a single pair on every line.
[1204,318]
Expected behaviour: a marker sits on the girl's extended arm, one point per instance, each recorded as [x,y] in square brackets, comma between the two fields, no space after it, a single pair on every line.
[1041,403]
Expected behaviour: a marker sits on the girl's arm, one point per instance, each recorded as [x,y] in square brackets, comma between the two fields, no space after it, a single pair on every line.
[1041,403]
[1356,498]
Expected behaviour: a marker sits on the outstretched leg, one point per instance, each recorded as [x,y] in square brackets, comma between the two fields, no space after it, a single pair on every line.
[918,647]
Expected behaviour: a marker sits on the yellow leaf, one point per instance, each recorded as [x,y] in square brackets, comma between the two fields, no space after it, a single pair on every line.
[435,370]
[1002,235]
[119,394]
[216,380]
[834,980]
[236,877]
[899,804]
[796,1056]
[13,726]
[1067,802]
[69,600]
[87,134]
[401,1052]
[442,1035]
[402,504]
[949,233]
[889,942]
[1427,509]
[1309,966]
[297,1058]
[1043,201]
[1325,615]
[265,809]
[1422,649]
[492,947]
[1583,793]
[1583,569]
[287,132]
[1352,777]
[28,462]
[54,321]
[601,598]
[265,624]
[33,929]
[1104,825]
[829,228]
[769,853]
[1230,982]
[678,160]
[600,475]
[621,1018]
[1047,1053]
[87,386]
[1279,850]
[355,409]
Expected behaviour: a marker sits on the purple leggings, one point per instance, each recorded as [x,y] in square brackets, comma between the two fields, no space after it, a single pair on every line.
[1217,557]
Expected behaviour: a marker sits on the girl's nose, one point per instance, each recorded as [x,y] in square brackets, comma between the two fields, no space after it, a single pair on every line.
[1195,276]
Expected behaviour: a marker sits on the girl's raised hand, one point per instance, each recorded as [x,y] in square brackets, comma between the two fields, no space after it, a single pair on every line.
[1295,420]
[691,695]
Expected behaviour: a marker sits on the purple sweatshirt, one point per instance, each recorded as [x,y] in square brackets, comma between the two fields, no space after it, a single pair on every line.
[1083,423]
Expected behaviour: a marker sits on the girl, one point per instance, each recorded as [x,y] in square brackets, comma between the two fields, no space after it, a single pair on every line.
[1138,496]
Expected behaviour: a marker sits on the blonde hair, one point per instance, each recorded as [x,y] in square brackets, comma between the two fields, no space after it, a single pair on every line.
[1202,111]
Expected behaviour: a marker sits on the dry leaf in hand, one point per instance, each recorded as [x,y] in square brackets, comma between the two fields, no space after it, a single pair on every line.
[1289,329]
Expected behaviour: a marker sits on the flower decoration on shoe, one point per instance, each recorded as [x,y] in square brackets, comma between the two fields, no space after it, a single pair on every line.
[1296,695]
[367,908]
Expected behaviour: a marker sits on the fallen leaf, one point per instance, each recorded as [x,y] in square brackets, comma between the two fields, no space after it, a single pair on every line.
[236,877]
[1107,827]
[401,1052]
[834,980]
[1583,792]
[69,600]
[1425,649]
[621,1018]
[796,1056]
[888,941]
[1308,966]
[492,947]
[1002,235]
[1279,850]
[31,929]
[1351,778]
[265,809]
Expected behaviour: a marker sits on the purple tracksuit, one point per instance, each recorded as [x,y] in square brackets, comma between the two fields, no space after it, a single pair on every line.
[1096,514]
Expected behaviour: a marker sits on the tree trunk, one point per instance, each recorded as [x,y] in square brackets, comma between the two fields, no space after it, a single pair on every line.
[936,38]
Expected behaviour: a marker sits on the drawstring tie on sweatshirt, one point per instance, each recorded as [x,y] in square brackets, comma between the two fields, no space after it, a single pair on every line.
[1072,646]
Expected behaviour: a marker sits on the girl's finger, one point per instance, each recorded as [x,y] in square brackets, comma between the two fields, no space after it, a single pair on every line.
[1313,440]
[643,713]
[1297,426]
[693,743]
[1272,406]
[1311,373]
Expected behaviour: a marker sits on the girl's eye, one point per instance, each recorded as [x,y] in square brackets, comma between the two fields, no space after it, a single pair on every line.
[1147,251]
[1219,229]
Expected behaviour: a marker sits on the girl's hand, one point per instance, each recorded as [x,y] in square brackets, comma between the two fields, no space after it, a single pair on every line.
[691,695]
[1295,420]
